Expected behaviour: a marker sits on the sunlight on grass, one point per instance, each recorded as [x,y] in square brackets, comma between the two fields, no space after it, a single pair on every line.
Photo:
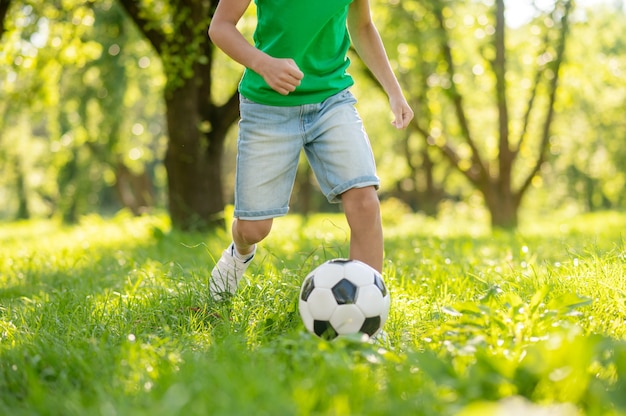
[113,317]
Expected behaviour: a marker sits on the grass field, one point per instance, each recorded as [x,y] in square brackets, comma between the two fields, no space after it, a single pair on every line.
[111,317]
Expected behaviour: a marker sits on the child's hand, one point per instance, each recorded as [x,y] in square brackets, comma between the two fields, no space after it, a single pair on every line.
[402,112]
[282,75]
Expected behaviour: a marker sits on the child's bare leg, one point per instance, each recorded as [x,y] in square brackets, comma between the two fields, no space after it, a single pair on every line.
[247,233]
[362,209]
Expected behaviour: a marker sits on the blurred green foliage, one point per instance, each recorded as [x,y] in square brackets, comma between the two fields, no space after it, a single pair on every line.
[83,128]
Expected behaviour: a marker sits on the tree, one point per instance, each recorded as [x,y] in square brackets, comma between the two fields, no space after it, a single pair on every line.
[457,129]
[77,84]
[409,35]
[4,9]
[594,91]
[197,125]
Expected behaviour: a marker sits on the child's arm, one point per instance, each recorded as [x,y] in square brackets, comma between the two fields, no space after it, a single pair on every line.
[369,46]
[282,75]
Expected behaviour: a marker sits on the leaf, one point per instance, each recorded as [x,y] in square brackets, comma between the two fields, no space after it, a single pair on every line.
[538,298]
[513,300]
[472,308]
[449,310]
[491,293]
[568,302]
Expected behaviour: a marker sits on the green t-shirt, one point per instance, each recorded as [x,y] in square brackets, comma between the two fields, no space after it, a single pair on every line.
[311,32]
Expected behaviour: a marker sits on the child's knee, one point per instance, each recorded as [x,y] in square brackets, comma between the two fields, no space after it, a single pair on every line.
[361,200]
[252,232]
[362,207]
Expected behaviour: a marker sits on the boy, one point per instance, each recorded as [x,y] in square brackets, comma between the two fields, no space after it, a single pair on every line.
[294,95]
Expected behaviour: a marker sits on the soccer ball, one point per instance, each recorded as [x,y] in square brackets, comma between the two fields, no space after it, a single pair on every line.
[343,297]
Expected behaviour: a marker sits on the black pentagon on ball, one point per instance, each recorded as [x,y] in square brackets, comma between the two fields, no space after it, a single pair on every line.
[339,261]
[307,288]
[324,329]
[370,325]
[378,281]
[345,292]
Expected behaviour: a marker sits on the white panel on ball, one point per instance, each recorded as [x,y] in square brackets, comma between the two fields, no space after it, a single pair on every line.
[359,273]
[370,301]
[306,316]
[321,304]
[347,319]
[329,275]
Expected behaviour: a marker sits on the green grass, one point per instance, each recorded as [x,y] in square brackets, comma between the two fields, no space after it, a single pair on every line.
[111,317]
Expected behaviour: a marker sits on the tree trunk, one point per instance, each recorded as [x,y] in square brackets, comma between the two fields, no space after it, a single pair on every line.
[23,213]
[193,163]
[197,127]
[4,10]
[503,207]
[134,191]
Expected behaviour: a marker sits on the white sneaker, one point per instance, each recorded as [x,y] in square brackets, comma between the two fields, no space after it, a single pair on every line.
[227,273]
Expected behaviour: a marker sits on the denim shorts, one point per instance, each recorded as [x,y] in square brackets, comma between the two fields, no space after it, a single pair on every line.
[271,139]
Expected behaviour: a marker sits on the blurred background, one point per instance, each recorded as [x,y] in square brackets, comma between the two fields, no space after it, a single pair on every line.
[126,105]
